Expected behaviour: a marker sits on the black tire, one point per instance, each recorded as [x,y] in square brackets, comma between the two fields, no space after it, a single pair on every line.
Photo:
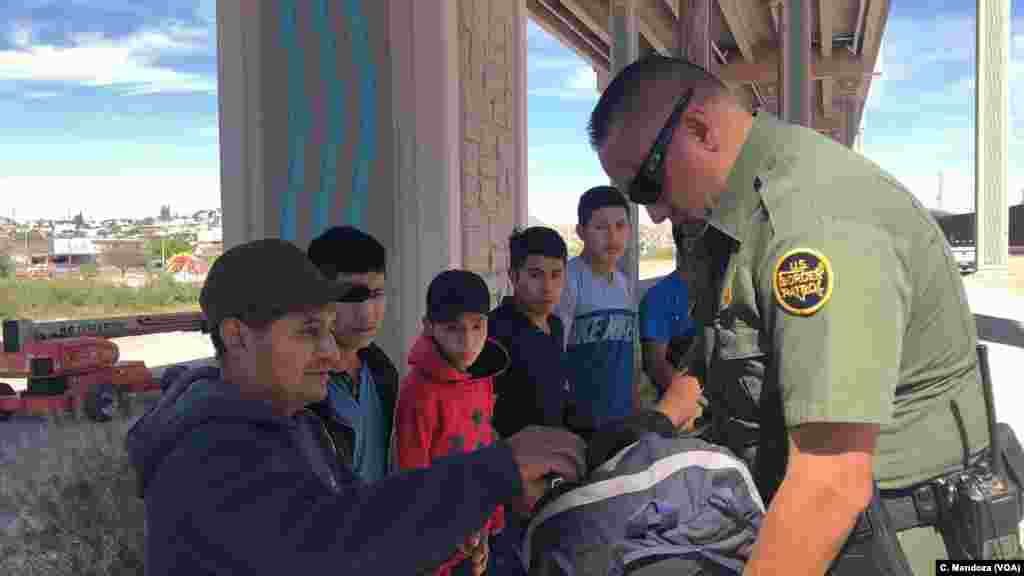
[6,390]
[100,402]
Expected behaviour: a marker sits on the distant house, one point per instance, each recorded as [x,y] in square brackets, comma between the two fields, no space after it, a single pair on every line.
[151,230]
[70,254]
[209,243]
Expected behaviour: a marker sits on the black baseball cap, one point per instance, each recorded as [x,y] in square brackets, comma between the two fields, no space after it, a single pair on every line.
[263,280]
[455,292]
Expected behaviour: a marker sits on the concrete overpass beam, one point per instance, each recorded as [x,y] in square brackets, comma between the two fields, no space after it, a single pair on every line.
[851,113]
[693,33]
[992,137]
[655,25]
[796,86]
[693,40]
[603,79]
[736,18]
[625,49]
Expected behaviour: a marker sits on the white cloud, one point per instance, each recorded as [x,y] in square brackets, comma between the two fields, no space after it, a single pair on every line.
[125,65]
[581,85]
[39,95]
[1018,46]
[583,79]
[21,34]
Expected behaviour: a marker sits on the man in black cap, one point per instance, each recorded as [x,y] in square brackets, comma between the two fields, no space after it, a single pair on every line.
[239,478]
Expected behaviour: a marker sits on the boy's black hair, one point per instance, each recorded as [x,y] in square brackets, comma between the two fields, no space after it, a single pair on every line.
[539,240]
[347,250]
[599,197]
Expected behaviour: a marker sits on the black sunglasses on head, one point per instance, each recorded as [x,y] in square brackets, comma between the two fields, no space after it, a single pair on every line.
[646,185]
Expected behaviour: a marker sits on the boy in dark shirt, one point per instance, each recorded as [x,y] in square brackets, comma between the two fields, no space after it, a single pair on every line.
[533,390]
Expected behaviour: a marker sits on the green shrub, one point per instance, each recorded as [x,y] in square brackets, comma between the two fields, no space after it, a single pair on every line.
[89,271]
[663,253]
[76,297]
[6,266]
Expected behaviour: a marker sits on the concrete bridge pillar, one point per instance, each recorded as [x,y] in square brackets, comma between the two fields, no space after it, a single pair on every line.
[796,87]
[401,117]
[851,129]
[992,97]
[693,33]
[625,49]
[693,41]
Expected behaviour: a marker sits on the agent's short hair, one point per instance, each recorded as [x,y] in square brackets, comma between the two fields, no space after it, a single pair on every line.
[629,92]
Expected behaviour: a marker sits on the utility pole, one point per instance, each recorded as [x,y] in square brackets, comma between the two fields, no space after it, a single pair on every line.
[939,198]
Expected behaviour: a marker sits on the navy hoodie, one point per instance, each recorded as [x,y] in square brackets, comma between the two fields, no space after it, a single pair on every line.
[231,488]
[532,390]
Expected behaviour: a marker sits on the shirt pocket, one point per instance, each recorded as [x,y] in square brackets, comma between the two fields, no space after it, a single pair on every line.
[740,368]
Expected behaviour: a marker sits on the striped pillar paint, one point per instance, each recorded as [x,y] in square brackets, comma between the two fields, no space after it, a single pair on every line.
[297,119]
[363,57]
[331,126]
[335,127]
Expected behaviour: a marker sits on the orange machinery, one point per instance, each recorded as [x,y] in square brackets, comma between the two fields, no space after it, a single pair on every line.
[73,364]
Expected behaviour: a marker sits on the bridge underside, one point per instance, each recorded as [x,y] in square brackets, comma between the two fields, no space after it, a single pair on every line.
[832,46]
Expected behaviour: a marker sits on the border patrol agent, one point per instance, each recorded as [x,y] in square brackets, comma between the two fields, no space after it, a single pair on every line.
[836,345]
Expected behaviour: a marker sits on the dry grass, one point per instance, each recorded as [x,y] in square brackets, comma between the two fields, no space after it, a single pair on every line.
[74,501]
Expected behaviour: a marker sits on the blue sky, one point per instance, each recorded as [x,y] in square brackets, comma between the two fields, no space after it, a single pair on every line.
[110,106]
[920,116]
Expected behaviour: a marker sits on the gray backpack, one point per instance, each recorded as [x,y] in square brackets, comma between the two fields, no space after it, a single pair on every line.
[661,505]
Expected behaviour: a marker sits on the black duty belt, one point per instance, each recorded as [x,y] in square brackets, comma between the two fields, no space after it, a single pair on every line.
[915,506]
[910,508]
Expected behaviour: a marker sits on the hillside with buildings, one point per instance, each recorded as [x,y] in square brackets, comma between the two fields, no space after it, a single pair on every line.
[653,239]
[114,247]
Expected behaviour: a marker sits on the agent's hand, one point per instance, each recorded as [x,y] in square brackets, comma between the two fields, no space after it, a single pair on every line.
[479,555]
[470,543]
[540,451]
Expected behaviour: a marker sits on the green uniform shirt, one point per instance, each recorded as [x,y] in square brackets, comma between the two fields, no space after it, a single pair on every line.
[834,297]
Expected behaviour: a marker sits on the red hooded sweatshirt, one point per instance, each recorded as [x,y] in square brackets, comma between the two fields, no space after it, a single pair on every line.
[443,411]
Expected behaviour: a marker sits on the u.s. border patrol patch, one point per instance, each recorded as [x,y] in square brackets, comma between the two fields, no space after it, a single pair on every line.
[802,281]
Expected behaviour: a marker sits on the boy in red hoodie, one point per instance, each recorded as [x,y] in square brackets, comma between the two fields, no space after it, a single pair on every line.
[446,401]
